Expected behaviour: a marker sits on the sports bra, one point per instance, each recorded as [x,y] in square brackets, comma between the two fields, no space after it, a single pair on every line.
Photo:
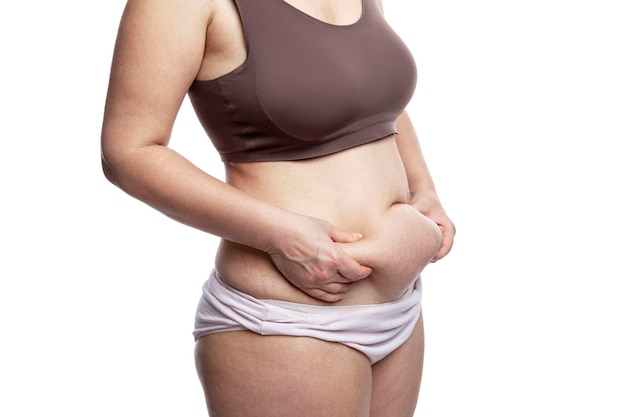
[307,88]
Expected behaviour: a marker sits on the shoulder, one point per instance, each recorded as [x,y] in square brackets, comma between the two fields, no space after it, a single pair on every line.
[163,26]
[169,10]
[158,50]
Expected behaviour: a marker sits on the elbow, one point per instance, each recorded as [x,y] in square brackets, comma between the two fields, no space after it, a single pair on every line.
[110,159]
[116,158]
[107,171]
[125,167]
[107,156]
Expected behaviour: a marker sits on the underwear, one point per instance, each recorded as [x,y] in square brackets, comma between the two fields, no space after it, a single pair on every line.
[307,88]
[375,330]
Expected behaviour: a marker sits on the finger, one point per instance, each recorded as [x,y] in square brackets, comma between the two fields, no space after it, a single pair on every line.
[338,235]
[353,271]
[352,261]
[342,280]
[338,287]
[326,296]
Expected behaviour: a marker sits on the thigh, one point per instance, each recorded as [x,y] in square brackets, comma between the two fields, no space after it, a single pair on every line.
[396,379]
[244,374]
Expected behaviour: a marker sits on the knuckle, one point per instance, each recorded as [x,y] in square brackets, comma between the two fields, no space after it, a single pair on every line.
[334,259]
[324,275]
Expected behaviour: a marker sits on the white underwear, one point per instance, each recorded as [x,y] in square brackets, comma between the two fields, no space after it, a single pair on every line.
[376,330]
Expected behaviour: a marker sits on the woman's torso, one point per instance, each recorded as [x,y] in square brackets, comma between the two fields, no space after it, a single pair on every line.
[363,189]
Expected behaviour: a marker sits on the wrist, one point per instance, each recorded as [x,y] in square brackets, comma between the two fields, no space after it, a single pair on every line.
[279,232]
[426,193]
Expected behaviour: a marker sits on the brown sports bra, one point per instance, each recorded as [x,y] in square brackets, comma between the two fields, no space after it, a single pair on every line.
[307,88]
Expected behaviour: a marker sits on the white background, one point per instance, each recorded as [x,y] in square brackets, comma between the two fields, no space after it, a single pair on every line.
[521,109]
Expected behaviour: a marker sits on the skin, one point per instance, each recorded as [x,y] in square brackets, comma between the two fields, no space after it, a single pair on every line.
[315,239]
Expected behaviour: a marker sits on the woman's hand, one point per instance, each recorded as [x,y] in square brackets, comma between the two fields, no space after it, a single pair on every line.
[429,205]
[308,258]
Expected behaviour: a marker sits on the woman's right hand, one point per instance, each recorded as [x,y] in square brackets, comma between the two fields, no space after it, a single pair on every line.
[308,258]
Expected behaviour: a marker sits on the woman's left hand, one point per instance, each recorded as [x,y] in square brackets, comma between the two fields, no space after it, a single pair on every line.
[429,205]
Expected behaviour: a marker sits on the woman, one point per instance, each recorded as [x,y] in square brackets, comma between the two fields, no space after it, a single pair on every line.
[328,213]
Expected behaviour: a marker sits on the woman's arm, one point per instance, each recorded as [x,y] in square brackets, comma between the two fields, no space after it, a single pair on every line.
[423,194]
[159,50]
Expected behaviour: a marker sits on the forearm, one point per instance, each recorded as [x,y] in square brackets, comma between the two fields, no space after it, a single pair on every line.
[163,179]
[301,247]
[418,174]
[422,187]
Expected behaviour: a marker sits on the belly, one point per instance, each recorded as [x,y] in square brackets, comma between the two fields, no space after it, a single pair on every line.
[400,245]
[360,190]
